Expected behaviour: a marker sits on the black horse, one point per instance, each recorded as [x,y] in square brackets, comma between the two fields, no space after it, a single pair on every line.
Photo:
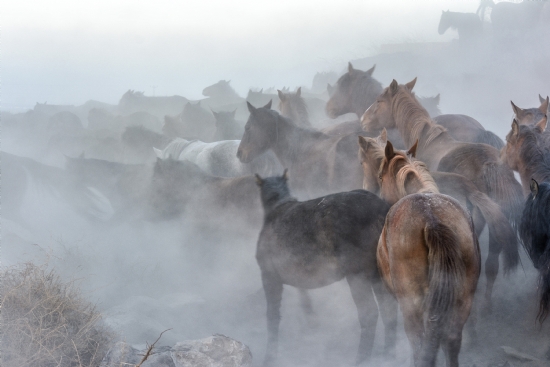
[314,243]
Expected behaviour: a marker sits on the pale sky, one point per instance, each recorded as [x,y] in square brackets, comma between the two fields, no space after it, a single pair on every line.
[66,52]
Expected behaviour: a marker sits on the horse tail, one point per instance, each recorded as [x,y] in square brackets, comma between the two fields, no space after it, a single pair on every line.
[505,190]
[500,230]
[488,137]
[446,276]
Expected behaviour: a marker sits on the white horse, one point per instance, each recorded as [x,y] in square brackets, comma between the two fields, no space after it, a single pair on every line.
[219,158]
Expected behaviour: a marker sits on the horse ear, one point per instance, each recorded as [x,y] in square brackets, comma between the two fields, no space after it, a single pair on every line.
[233,113]
[410,85]
[541,100]
[371,70]
[285,174]
[330,88]
[268,105]
[384,136]
[158,153]
[437,98]
[299,92]
[350,67]
[394,87]
[542,123]
[261,90]
[515,127]
[412,150]
[517,111]
[363,144]
[281,95]
[389,153]
[214,113]
[251,108]
[543,105]
[534,186]
[259,180]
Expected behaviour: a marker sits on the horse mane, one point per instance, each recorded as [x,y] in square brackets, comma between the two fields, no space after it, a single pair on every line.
[298,105]
[534,152]
[402,167]
[418,123]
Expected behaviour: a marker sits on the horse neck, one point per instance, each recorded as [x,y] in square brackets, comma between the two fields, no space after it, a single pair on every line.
[290,141]
[300,111]
[414,123]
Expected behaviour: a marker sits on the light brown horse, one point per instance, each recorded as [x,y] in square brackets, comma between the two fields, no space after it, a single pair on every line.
[429,258]
[480,163]
[294,107]
[530,116]
[483,209]
[527,151]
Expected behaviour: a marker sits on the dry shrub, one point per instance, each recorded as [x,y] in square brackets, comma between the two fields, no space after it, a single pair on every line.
[46,322]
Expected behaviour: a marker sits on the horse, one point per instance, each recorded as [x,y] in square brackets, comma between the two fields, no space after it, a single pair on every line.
[261,98]
[318,164]
[480,163]
[133,101]
[468,25]
[527,151]
[311,244]
[484,211]
[293,106]
[431,104]
[178,187]
[467,129]
[140,142]
[219,158]
[535,233]
[354,92]
[193,122]
[429,258]
[125,185]
[221,93]
[227,127]
[530,116]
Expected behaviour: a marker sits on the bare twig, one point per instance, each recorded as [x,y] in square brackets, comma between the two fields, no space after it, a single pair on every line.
[150,349]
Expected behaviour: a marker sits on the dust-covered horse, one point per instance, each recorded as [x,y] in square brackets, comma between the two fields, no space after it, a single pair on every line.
[483,209]
[397,108]
[429,258]
[293,106]
[468,25]
[527,151]
[318,164]
[314,243]
[219,158]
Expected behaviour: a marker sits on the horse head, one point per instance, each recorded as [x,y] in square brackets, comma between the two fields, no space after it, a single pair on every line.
[258,132]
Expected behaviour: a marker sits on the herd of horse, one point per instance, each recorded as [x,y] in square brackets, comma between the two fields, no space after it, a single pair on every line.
[394,200]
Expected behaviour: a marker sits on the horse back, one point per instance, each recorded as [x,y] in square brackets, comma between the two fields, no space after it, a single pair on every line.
[335,235]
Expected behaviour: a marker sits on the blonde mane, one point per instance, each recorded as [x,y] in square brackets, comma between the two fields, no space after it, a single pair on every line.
[413,120]
[401,167]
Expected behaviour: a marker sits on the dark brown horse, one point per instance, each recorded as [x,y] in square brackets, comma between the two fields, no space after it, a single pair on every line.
[397,108]
[318,164]
[467,129]
[527,151]
[429,258]
[314,243]
[483,209]
[354,92]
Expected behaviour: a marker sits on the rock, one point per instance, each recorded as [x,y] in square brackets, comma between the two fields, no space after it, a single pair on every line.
[215,351]
[511,352]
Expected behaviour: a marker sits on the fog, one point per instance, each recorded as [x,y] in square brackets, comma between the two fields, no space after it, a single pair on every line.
[66,53]
[196,272]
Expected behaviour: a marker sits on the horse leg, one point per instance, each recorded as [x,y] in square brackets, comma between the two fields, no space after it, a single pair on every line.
[387,306]
[491,271]
[367,311]
[273,288]
[451,346]
[305,301]
[414,327]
